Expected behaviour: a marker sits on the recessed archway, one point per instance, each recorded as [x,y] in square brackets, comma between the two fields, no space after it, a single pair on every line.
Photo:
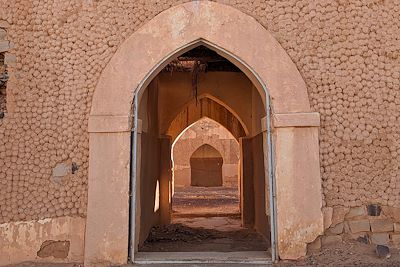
[237,37]
[205,131]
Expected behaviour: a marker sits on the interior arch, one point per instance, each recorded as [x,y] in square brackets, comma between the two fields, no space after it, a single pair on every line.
[187,143]
[206,107]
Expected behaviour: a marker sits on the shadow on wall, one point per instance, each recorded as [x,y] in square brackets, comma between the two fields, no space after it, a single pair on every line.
[206,167]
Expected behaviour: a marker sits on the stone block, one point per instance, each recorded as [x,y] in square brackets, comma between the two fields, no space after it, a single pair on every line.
[356,212]
[336,230]
[338,215]
[4,46]
[327,212]
[379,238]
[10,59]
[346,228]
[395,238]
[331,239]
[61,170]
[3,34]
[359,226]
[396,227]
[384,225]
[392,212]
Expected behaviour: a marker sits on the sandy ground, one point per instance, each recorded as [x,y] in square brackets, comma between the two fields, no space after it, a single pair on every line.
[204,219]
[219,234]
[205,200]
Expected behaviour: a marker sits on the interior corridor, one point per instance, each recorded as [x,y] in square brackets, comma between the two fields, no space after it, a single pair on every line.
[200,118]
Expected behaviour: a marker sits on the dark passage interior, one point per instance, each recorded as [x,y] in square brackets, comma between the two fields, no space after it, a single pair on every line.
[212,200]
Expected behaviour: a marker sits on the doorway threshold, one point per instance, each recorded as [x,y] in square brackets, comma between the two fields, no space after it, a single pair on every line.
[237,257]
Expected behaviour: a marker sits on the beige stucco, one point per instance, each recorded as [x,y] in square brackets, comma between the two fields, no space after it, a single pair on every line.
[298,184]
[133,66]
[106,238]
[20,241]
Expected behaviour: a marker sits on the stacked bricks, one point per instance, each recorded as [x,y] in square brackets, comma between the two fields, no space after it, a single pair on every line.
[357,223]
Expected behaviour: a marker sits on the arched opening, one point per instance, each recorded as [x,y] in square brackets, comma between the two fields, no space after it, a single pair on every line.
[169,105]
[197,174]
[130,79]
[205,131]
[205,186]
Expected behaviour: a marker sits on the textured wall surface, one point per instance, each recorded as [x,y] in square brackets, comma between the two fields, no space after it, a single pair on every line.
[347,52]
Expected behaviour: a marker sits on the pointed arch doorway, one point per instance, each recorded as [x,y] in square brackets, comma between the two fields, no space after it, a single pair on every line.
[131,70]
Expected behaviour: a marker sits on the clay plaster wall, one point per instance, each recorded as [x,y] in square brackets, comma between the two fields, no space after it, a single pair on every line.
[149,170]
[347,52]
[21,241]
[203,132]
[261,200]
[252,186]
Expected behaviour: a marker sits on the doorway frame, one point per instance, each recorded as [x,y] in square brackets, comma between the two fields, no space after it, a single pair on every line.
[268,152]
[295,127]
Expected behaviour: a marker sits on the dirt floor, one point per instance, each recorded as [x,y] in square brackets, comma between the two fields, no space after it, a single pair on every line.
[195,200]
[225,235]
[204,219]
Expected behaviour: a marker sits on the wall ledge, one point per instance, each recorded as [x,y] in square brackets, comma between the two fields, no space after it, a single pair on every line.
[303,119]
[109,123]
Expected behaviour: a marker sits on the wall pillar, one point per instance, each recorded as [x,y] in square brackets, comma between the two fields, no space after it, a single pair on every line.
[165,180]
[298,182]
[107,223]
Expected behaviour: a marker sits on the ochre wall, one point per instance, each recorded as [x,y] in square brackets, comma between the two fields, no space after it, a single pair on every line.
[149,170]
[346,51]
[261,201]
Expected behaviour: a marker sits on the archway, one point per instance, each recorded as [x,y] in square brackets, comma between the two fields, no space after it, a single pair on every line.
[209,107]
[205,131]
[223,198]
[174,32]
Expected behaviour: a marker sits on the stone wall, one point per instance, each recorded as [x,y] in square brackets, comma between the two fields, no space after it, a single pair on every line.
[373,224]
[206,131]
[347,52]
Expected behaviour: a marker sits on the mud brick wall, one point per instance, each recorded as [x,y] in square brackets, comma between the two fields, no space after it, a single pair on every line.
[346,51]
